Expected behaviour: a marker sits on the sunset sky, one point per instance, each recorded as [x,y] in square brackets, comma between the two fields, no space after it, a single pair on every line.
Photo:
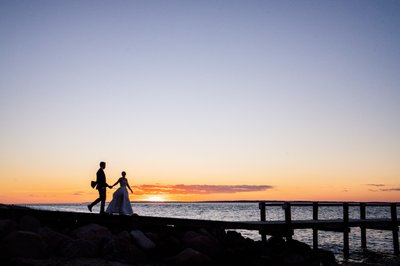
[200,100]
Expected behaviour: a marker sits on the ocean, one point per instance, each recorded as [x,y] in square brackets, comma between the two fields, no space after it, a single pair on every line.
[378,241]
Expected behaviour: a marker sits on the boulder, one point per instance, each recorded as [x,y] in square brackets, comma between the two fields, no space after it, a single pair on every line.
[169,246]
[122,249]
[153,236]
[123,235]
[206,233]
[327,258]
[296,259]
[142,241]
[204,245]
[277,245]
[92,232]
[233,239]
[189,257]
[23,244]
[78,248]
[54,240]
[7,226]
[188,235]
[298,254]
[298,247]
[29,223]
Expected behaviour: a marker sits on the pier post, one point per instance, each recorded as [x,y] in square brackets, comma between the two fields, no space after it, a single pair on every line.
[346,250]
[261,206]
[395,228]
[288,219]
[363,229]
[315,230]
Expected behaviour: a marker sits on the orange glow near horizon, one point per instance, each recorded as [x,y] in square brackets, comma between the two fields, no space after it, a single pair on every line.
[162,193]
[35,185]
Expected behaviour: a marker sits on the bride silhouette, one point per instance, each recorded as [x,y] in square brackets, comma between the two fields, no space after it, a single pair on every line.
[120,202]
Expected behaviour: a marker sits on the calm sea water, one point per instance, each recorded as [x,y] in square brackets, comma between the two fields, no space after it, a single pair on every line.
[377,240]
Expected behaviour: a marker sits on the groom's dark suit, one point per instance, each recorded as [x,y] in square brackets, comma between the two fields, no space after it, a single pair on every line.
[101,187]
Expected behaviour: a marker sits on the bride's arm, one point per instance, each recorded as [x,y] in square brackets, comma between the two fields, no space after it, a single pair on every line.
[127,184]
[119,180]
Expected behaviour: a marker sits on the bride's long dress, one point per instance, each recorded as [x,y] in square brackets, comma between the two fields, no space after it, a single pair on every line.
[120,202]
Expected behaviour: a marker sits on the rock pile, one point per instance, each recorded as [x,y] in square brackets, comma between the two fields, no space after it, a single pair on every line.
[26,242]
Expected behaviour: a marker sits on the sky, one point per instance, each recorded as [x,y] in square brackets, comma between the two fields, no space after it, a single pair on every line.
[200,100]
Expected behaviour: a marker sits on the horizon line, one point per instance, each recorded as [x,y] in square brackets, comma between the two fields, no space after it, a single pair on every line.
[213,201]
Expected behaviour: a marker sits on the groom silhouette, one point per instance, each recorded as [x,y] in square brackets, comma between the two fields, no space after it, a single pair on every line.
[101,187]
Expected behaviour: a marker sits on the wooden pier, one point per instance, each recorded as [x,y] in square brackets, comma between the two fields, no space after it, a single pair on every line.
[284,228]
[343,225]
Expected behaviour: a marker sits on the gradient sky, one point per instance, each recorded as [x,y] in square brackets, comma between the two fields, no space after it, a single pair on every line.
[200,100]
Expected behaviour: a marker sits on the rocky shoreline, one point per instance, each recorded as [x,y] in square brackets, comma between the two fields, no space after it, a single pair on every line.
[28,240]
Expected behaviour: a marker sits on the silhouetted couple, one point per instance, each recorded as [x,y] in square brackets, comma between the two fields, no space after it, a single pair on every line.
[120,203]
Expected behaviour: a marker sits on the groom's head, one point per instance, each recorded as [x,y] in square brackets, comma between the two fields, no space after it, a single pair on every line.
[102,165]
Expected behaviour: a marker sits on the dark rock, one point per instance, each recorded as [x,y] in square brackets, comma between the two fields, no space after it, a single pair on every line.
[142,241]
[203,244]
[23,244]
[298,247]
[188,235]
[234,256]
[123,235]
[29,223]
[54,240]
[153,236]
[92,232]
[327,258]
[78,248]
[233,239]
[276,245]
[206,233]
[276,242]
[189,257]
[299,253]
[122,249]
[169,246]
[60,261]
[7,226]
[296,260]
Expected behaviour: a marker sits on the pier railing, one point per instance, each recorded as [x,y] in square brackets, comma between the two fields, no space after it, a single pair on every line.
[337,225]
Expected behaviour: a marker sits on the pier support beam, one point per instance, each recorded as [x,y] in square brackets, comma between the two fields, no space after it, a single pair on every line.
[363,229]
[261,206]
[288,220]
[395,228]
[315,230]
[346,250]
